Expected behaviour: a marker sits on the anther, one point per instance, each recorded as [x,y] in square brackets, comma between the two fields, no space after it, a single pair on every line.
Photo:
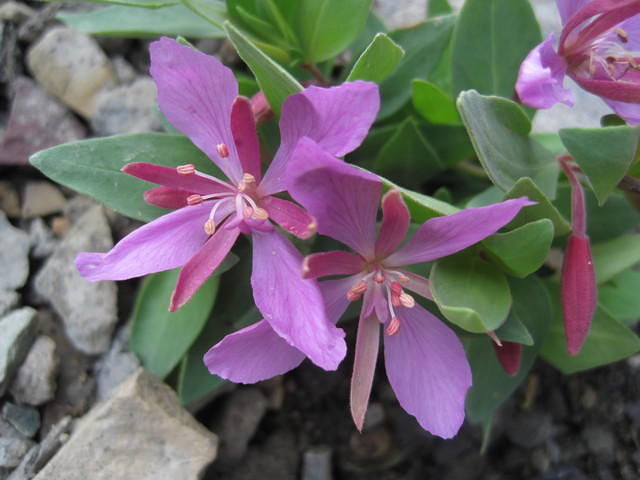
[402,278]
[187,169]
[222,150]
[248,178]
[260,214]
[353,296]
[622,35]
[209,227]
[407,300]
[194,199]
[393,327]
[395,300]
[396,288]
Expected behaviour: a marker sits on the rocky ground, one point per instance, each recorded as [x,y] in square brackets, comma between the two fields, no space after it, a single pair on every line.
[74,403]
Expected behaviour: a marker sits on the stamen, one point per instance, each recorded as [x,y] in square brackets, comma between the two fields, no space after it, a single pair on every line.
[393,327]
[352,296]
[407,300]
[194,199]
[396,288]
[222,150]
[248,178]
[187,169]
[494,337]
[260,214]
[248,212]
[209,227]
[622,35]
[379,277]
[395,300]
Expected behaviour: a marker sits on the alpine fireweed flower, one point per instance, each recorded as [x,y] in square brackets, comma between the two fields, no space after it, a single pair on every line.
[578,288]
[199,96]
[425,362]
[598,49]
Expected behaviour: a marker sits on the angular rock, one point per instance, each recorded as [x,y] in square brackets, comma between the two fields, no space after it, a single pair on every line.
[15,12]
[18,331]
[25,420]
[12,450]
[71,66]
[9,203]
[40,199]
[42,241]
[127,109]
[14,256]
[317,464]
[140,432]
[116,365]
[8,300]
[87,309]
[35,382]
[37,121]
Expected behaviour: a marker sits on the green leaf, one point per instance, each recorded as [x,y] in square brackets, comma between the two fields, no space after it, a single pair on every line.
[550,141]
[608,341]
[120,21]
[604,154]
[93,167]
[407,157]
[326,28]
[438,7]
[276,83]
[434,104]
[513,330]
[491,385]
[490,40]
[619,297]
[499,130]
[160,338]
[378,61]
[424,45]
[613,257]
[213,11]
[470,292]
[129,3]
[522,251]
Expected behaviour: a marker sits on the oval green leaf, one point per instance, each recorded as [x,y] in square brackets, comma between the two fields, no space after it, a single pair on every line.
[378,61]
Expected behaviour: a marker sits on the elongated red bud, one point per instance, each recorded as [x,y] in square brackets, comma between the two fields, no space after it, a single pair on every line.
[260,107]
[509,356]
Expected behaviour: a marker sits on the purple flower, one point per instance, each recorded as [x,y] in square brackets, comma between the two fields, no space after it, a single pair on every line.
[597,48]
[199,96]
[425,362]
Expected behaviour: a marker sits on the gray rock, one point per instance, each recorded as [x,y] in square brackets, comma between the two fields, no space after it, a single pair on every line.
[530,429]
[238,421]
[18,330]
[71,66]
[8,300]
[375,416]
[124,71]
[127,109]
[9,202]
[116,365]
[140,432]
[42,241]
[14,255]
[7,430]
[35,382]
[15,12]
[600,442]
[25,420]
[12,450]
[40,199]
[317,464]
[87,309]
[36,24]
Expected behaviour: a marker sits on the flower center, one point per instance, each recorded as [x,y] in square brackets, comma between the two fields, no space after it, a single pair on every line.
[609,57]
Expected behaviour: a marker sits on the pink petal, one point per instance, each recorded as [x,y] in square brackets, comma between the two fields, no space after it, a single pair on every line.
[252,354]
[243,127]
[292,305]
[568,7]
[170,177]
[334,293]
[195,93]
[630,112]
[428,371]
[509,356]
[395,223]
[442,236]
[625,90]
[336,118]
[417,283]
[541,77]
[165,243]
[336,262]
[202,265]
[167,197]
[364,366]
[290,216]
[342,198]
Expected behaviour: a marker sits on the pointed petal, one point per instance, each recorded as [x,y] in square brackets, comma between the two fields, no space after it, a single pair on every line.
[630,112]
[202,265]
[568,7]
[195,93]
[292,305]
[165,243]
[625,90]
[428,371]
[364,366]
[170,177]
[336,118]
[252,354]
[417,283]
[243,127]
[334,293]
[336,262]
[167,197]
[342,198]
[395,223]
[290,216]
[509,356]
[442,236]
[541,77]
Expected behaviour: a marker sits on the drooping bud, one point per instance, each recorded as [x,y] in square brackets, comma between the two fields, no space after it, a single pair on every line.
[393,327]
[194,199]
[209,227]
[509,356]
[187,169]
[222,150]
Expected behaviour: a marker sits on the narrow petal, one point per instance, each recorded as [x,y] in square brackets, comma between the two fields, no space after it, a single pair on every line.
[343,199]
[167,197]
[336,118]
[509,356]
[290,216]
[202,265]
[196,93]
[568,7]
[395,223]
[292,305]
[334,293]
[243,127]
[541,77]
[165,243]
[630,112]
[442,236]
[336,262]
[252,354]
[428,371]
[418,284]
[625,90]
[170,177]
[364,367]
